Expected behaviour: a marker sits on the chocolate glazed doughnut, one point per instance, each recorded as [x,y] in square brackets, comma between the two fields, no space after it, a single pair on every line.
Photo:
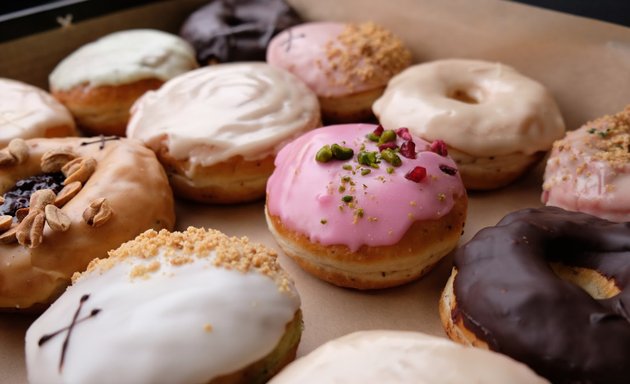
[236,30]
[505,294]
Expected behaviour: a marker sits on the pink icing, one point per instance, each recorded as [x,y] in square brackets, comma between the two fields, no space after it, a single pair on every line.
[304,193]
[576,181]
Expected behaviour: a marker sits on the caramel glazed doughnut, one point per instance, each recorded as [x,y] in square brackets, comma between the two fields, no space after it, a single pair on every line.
[496,122]
[92,195]
[556,294]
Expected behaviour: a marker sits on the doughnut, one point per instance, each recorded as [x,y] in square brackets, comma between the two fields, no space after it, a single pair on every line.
[589,169]
[217,129]
[360,207]
[346,65]
[236,30]
[27,112]
[66,201]
[496,122]
[183,307]
[101,80]
[549,288]
[402,357]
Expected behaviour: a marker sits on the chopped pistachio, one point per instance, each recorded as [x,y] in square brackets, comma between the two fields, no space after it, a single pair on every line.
[365,171]
[324,154]
[346,198]
[341,153]
[347,167]
[391,157]
[387,136]
[390,170]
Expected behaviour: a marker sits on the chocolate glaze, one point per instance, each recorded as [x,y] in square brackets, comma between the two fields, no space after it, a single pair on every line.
[236,30]
[20,195]
[509,297]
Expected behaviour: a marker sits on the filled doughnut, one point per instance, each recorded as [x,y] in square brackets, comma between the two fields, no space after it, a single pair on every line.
[589,169]
[67,201]
[363,207]
[236,30]
[346,65]
[183,307]
[101,80]
[399,357]
[496,122]
[27,112]
[217,129]
[547,287]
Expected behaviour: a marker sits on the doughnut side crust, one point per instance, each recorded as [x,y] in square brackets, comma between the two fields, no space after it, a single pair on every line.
[131,179]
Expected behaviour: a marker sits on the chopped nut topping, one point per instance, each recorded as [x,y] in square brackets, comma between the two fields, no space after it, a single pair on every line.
[30,231]
[79,169]
[16,152]
[53,161]
[67,193]
[98,212]
[5,222]
[57,220]
[9,237]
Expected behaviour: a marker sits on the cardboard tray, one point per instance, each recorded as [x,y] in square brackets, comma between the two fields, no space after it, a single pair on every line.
[584,63]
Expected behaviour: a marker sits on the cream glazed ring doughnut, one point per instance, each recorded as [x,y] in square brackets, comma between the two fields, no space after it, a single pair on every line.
[589,169]
[346,65]
[217,129]
[183,307]
[27,112]
[399,357]
[496,122]
[84,198]
[361,207]
[101,80]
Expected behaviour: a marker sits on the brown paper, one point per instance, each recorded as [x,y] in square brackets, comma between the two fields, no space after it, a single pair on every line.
[585,64]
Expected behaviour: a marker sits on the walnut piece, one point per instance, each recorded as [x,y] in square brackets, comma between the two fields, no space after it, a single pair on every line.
[54,160]
[98,212]
[79,169]
[30,231]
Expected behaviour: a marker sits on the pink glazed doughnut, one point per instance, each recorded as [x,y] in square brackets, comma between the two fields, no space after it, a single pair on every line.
[589,169]
[346,65]
[363,207]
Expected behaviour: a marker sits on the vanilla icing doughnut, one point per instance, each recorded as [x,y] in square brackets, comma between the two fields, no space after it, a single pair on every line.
[218,128]
[490,116]
[100,81]
[589,169]
[84,198]
[399,357]
[183,307]
[27,112]
[346,65]
[365,224]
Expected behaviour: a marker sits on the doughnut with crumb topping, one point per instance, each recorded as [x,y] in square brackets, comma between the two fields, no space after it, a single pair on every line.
[589,169]
[346,65]
[182,307]
[64,202]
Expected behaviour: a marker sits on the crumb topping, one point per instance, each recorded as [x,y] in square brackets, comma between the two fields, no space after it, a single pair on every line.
[612,138]
[365,52]
[180,248]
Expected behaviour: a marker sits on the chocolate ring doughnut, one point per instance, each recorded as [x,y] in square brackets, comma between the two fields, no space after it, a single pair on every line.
[66,201]
[550,288]
[236,30]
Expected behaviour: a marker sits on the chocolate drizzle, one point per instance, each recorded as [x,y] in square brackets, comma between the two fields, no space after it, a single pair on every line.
[236,30]
[19,196]
[101,141]
[290,37]
[69,328]
[510,297]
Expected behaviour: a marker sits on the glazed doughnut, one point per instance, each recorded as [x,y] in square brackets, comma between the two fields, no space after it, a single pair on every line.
[346,65]
[217,129]
[496,122]
[236,30]
[589,169]
[398,357]
[27,112]
[555,289]
[100,81]
[360,217]
[91,195]
[184,307]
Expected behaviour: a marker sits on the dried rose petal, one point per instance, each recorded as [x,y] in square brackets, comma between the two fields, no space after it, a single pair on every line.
[448,170]
[379,130]
[417,174]
[408,149]
[439,147]
[390,145]
[404,134]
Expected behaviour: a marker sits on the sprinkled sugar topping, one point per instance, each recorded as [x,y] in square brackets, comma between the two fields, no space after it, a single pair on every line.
[186,247]
[367,51]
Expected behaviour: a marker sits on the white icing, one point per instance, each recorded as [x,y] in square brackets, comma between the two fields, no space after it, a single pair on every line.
[124,57]
[403,357]
[154,330]
[514,114]
[214,113]
[27,112]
